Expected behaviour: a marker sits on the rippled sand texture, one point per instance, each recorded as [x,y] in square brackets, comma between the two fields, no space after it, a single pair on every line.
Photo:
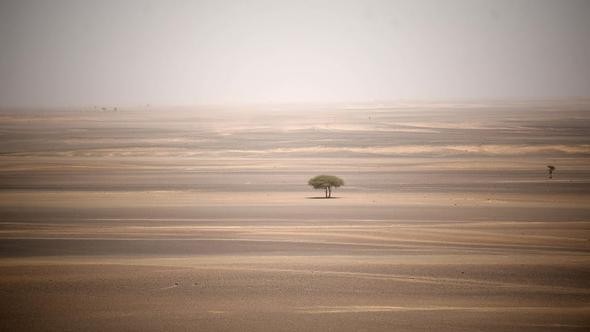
[201,219]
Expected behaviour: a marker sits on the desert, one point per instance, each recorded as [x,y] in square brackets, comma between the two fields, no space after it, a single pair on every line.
[201,218]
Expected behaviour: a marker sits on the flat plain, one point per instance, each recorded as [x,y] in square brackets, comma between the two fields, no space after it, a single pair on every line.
[201,218]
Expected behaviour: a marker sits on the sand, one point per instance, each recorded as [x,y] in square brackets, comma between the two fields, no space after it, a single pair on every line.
[201,219]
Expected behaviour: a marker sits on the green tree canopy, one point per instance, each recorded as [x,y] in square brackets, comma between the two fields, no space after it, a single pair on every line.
[326,182]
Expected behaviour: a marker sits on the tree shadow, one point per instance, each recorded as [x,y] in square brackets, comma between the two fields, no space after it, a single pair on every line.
[320,197]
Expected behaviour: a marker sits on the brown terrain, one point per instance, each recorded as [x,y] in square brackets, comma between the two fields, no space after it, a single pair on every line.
[202,219]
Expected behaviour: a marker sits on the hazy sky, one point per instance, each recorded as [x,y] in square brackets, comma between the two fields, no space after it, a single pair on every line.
[134,52]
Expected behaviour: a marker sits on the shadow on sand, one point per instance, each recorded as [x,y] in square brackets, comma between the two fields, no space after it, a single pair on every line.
[321,197]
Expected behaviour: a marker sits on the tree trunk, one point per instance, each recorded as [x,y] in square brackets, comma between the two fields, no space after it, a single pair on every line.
[326,192]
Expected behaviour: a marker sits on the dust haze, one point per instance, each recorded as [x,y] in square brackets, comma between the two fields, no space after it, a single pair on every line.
[155,158]
[110,53]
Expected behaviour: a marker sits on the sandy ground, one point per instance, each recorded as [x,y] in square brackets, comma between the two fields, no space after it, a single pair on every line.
[202,220]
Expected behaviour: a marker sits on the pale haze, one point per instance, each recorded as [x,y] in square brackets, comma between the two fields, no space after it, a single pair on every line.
[297,165]
[124,53]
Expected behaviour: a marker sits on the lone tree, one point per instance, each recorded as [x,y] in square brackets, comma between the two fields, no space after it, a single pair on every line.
[550,169]
[326,182]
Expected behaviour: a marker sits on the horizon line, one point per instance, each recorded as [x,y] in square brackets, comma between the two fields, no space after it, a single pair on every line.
[265,104]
